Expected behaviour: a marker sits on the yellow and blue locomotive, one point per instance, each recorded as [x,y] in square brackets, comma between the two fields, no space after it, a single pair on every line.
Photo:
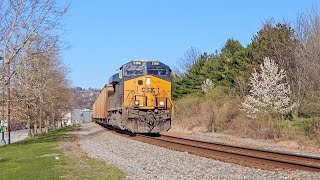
[137,98]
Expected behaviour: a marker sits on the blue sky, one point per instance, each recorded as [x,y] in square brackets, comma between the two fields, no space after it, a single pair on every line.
[106,34]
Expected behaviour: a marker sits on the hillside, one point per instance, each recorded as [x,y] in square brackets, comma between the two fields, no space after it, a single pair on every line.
[84,98]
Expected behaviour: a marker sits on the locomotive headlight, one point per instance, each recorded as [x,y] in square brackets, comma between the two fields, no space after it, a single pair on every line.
[136,102]
[148,81]
[161,103]
[136,62]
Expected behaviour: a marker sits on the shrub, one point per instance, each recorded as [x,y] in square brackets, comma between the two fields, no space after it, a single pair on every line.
[269,92]
[209,112]
[207,85]
[313,127]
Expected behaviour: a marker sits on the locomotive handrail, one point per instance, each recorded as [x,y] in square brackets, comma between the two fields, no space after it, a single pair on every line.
[131,91]
[172,106]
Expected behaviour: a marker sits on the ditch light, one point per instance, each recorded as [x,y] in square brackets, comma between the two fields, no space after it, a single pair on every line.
[148,81]
[161,103]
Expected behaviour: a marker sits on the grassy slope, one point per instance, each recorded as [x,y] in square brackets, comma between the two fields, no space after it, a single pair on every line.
[36,159]
[219,111]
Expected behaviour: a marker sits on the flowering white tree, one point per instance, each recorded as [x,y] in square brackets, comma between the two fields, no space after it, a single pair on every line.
[270,93]
[207,85]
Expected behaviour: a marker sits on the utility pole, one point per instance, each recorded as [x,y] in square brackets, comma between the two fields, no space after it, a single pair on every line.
[8,102]
[2,88]
[8,95]
[2,113]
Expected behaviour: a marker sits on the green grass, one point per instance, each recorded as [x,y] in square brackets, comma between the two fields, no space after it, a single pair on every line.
[35,158]
[296,124]
[307,126]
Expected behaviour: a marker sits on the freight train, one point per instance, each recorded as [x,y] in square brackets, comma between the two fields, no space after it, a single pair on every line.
[137,98]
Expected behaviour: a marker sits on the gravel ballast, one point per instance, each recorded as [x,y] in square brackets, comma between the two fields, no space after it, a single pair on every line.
[144,161]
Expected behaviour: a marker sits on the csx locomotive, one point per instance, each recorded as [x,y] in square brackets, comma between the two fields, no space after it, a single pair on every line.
[137,98]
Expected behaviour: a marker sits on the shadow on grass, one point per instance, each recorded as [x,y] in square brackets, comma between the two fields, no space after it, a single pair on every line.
[53,136]
[4,159]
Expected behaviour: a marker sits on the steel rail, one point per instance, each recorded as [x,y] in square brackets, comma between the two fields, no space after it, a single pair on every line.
[253,152]
[270,158]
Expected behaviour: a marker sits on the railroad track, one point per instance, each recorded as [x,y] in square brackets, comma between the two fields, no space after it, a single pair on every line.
[256,158]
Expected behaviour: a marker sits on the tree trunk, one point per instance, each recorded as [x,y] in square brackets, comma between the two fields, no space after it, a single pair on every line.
[47,125]
[295,110]
[35,127]
[40,123]
[40,113]
[29,126]
[59,124]
[54,122]
[295,113]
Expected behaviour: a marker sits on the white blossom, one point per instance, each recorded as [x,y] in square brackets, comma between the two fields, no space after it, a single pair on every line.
[269,90]
[207,85]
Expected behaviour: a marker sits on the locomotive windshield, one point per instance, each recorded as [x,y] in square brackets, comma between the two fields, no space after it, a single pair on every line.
[140,68]
[158,69]
[134,71]
[160,72]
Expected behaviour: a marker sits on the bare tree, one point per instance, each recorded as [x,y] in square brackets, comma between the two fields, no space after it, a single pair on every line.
[22,21]
[190,58]
[41,91]
[307,56]
[297,51]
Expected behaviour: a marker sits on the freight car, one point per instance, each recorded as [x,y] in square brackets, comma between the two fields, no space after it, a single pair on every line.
[137,98]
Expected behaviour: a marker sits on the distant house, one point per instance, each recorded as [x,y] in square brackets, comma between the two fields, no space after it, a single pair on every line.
[67,119]
[78,116]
